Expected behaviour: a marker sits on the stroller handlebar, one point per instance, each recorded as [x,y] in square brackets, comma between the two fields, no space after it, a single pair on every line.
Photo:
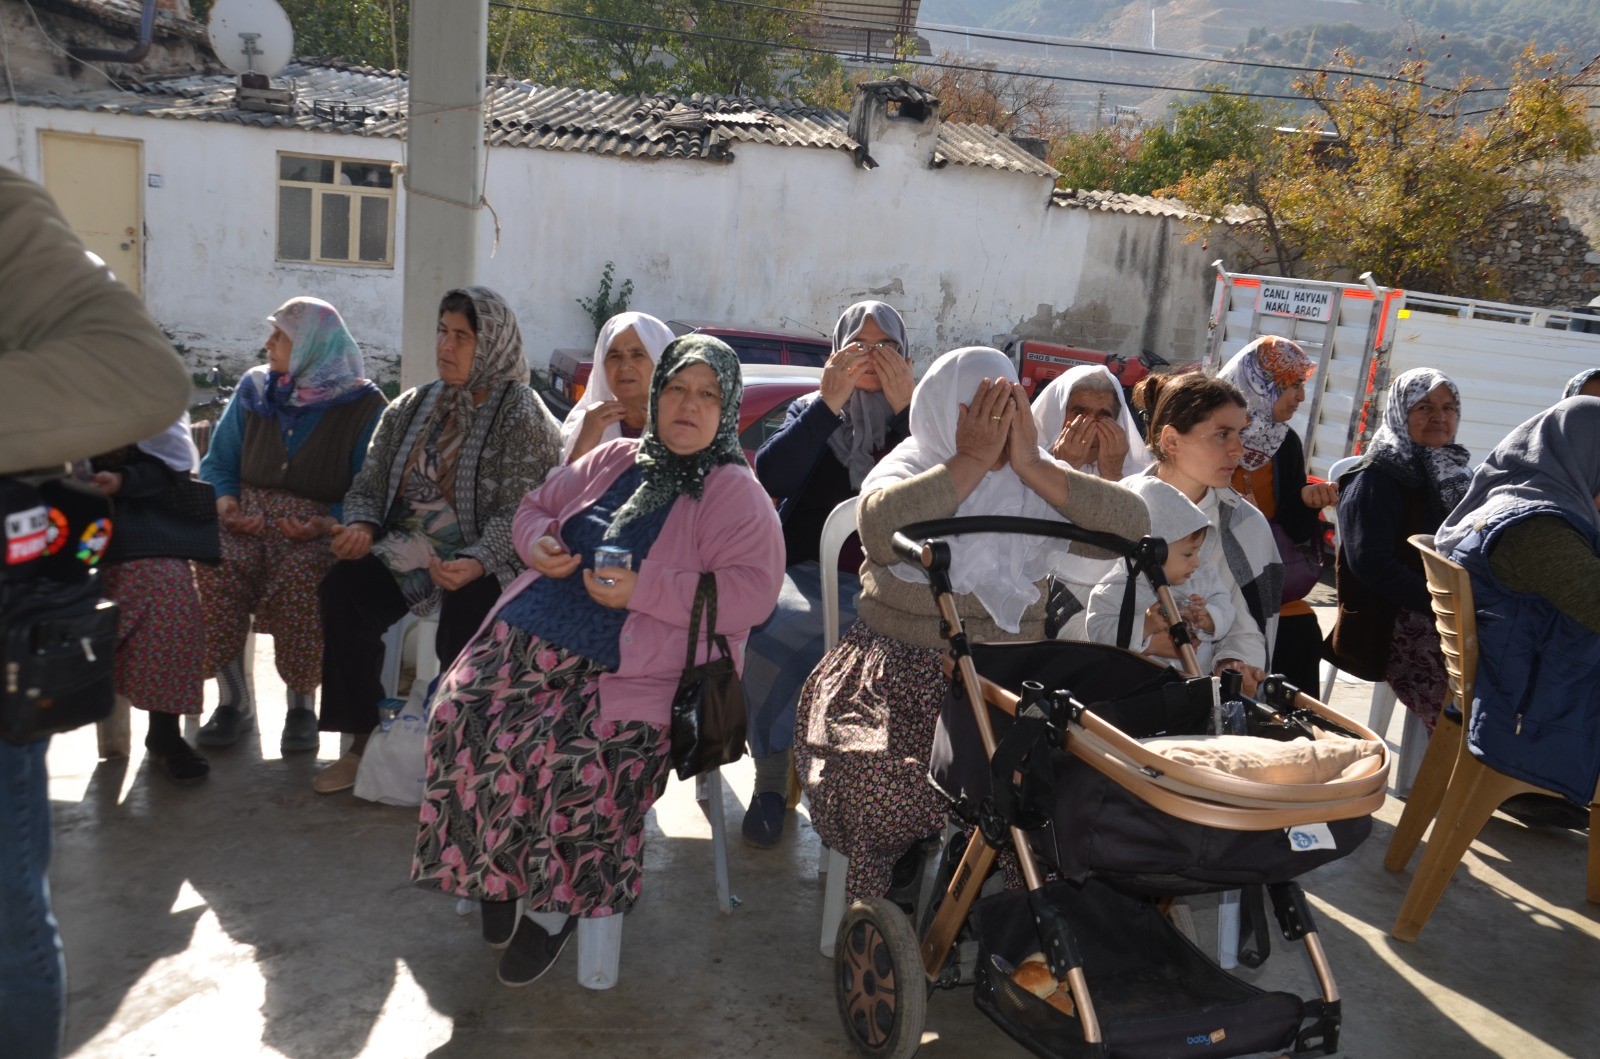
[909,540]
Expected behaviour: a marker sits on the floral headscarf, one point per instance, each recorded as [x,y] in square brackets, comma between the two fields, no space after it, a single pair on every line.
[1262,371]
[1578,382]
[325,366]
[864,426]
[668,475]
[1444,471]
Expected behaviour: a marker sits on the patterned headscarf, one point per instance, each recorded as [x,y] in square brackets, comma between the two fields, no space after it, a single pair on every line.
[1552,459]
[668,475]
[1444,471]
[653,335]
[1578,382]
[325,367]
[1262,371]
[498,358]
[865,426]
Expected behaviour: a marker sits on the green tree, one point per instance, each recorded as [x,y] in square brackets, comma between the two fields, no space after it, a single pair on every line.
[1398,177]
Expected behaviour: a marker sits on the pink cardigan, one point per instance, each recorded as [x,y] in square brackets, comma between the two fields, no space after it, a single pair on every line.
[732,530]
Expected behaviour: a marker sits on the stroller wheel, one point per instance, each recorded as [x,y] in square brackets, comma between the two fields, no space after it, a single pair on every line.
[879,981]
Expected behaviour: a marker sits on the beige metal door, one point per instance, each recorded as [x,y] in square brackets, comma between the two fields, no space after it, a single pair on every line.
[96,181]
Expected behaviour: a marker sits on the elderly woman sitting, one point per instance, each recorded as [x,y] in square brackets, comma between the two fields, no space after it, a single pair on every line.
[829,443]
[1411,476]
[283,454]
[549,739]
[1084,421]
[614,405]
[865,721]
[428,521]
[1528,531]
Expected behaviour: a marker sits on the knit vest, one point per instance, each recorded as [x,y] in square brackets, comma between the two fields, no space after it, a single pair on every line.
[319,470]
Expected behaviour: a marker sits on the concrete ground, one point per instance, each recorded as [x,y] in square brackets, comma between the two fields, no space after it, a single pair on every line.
[251,916]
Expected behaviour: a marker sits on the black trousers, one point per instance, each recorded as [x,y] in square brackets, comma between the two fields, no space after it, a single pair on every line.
[1297,654]
[360,600]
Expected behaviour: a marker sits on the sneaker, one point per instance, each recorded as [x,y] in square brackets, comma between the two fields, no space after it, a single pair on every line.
[181,763]
[763,821]
[533,951]
[227,724]
[339,776]
[499,922]
[300,731]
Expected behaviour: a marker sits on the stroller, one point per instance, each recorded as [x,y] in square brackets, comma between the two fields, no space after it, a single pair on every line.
[1074,755]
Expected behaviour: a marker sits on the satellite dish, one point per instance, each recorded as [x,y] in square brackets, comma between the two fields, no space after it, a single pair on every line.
[251,36]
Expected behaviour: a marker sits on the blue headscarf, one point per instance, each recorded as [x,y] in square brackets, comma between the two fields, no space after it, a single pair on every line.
[325,367]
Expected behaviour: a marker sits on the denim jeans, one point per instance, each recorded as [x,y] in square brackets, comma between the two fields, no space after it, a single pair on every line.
[32,973]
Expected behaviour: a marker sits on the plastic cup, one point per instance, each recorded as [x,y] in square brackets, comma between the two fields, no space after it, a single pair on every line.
[609,556]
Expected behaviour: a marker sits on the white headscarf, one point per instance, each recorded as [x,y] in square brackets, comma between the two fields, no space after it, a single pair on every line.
[1050,413]
[652,333]
[1000,569]
[173,447]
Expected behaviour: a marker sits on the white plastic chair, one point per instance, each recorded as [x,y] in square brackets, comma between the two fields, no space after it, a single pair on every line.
[836,530]
[425,653]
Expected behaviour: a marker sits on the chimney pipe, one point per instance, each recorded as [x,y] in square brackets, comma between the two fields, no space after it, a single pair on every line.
[147,21]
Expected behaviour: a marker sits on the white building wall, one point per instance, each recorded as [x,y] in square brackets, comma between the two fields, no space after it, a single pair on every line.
[780,235]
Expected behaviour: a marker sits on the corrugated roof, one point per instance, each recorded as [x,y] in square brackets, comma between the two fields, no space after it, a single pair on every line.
[1117,202]
[362,100]
[967,144]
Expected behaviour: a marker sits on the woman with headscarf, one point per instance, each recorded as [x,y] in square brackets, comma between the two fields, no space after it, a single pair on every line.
[1271,372]
[829,443]
[549,739]
[427,522]
[280,459]
[1085,422]
[145,568]
[614,404]
[1410,477]
[866,716]
[1528,531]
[1583,384]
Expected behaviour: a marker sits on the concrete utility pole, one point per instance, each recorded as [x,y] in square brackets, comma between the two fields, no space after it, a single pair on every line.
[444,156]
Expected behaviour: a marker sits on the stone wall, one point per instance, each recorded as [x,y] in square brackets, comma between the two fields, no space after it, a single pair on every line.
[1535,257]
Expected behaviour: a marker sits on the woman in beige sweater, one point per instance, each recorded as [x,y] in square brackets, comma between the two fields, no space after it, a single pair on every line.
[866,716]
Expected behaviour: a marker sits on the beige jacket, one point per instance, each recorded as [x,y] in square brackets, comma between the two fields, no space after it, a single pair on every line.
[83,368]
[906,610]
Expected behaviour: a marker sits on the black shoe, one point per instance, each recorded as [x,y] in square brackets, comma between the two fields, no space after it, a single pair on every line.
[227,724]
[499,921]
[181,763]
[533,951]
[763,821]
[300,731]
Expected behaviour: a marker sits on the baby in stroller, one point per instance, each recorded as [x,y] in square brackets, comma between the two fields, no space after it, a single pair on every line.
[1205,602]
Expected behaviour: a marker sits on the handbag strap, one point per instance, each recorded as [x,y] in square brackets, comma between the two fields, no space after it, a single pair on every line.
[705,602]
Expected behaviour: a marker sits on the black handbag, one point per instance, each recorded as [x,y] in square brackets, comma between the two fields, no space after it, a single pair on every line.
[708,718]
[58,640]
[180,522]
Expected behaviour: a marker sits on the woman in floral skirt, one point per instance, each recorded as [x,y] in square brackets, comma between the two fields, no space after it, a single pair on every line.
[549,738]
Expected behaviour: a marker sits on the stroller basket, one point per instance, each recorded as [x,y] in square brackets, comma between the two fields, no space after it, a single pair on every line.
[1157,996]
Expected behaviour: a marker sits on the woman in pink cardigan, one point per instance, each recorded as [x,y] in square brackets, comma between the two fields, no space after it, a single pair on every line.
[549,736]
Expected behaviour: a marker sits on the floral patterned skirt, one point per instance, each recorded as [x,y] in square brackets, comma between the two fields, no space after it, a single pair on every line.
[160,634]
[863,735]
[1416,666]
[529,793]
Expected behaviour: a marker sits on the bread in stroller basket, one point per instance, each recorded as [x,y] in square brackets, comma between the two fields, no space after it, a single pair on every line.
[1141,754]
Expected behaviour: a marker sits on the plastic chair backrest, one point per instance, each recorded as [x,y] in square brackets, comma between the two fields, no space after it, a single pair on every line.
[1339,467]
[1451,588]
[835,531]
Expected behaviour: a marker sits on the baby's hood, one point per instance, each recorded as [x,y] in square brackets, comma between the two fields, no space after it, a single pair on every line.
[1173,516]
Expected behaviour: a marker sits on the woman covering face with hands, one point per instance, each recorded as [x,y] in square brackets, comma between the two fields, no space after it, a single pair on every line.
[865,721]
[829,443]
[1084,421]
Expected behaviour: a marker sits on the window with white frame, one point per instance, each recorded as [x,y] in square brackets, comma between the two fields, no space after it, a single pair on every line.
[335,211]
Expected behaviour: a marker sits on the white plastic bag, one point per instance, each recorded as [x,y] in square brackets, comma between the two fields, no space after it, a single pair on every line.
[393,765]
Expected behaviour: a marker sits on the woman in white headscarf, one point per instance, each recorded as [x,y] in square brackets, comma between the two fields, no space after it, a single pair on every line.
[1410,477]
[1084,422]
[865,721]
[160,628]
[617,399]
[829,443]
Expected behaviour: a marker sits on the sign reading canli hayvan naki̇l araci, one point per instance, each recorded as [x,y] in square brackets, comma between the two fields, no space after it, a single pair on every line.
[1280,299]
